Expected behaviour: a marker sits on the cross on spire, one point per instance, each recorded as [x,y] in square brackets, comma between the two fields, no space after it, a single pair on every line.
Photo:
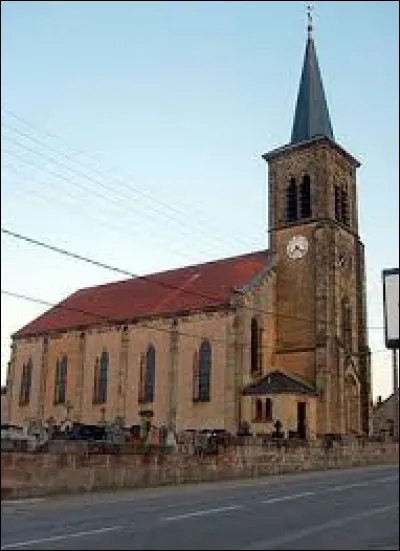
[310,8]
[311,118]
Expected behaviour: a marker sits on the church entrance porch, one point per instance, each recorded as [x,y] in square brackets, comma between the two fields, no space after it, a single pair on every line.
[280,400]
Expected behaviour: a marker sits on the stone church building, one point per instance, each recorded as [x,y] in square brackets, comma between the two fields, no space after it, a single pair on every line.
[277,334]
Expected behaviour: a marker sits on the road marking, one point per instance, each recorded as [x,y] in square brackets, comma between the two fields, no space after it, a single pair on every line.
[360,484]
[336,523]
[287,498]
[203,512]
[323,490]
[61,537]
[21,501]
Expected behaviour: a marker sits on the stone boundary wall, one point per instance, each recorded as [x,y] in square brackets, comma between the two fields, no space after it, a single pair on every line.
[27,475]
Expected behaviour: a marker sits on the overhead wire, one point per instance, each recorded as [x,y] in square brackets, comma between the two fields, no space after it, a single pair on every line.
[142,322]
[130,188]
[118,200]
[80,257]
[147,278]
[89,212]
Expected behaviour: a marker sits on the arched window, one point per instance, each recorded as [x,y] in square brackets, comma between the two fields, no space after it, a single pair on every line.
[150,374]
[142,367]
[196,376]
[291,201]
[60,385]
[96,373]
[255,345]
[101,378]
[305,197]
[205,364]
[26,383]
[346,325]
[338,204]
[345,206]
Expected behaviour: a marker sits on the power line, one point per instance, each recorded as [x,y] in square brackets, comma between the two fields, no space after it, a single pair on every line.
[91,213]
[119,199]
[148,279]
[107,223]
[131,188]
[108,319]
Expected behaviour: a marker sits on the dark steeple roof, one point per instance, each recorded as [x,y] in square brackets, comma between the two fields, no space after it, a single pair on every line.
[311,117]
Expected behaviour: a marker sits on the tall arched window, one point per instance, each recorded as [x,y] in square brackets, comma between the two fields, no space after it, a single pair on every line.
[338,203]
[101,378]
[291,201]
[96,373]
[150,374]
[255,342]
[205,364]
[305,197]
[60,385]
[196,375]
[345,206]
[26,383]
[346,324]
[142,369]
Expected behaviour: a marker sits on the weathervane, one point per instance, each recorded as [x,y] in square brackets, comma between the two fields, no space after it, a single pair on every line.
[310,8]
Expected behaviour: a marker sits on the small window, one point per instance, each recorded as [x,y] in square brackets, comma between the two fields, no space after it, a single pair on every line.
[268,409]
[291,201]
[338,202]
[347,325]
[305,197]
[258,410]
[345,206]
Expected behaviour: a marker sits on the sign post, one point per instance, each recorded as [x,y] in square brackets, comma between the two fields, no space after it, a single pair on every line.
[391,319]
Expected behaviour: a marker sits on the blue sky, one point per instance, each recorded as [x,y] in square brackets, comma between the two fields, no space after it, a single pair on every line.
[132,132]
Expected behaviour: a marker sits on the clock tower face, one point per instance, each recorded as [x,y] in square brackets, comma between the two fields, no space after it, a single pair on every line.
[297,247]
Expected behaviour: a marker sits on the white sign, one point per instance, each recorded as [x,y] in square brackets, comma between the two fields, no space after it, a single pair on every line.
[391,307]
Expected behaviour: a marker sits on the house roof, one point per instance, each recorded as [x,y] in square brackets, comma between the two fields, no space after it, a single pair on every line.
[183,290]
[279,381]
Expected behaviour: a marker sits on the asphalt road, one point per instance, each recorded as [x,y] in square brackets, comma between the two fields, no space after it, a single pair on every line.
[341,509]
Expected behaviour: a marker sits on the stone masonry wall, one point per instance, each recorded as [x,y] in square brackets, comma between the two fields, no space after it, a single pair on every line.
[39,474]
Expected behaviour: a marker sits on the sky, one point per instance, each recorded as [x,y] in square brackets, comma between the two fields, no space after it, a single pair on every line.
[132,133]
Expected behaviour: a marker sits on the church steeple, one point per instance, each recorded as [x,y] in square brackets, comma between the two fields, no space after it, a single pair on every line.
[311,117]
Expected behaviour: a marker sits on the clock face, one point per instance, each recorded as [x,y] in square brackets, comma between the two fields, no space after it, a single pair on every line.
[297,247]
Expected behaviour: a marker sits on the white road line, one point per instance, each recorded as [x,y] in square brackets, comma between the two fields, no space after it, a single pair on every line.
[203,512]
[287,498]
[61,537]
[300,534]
[21,501]
[361,484]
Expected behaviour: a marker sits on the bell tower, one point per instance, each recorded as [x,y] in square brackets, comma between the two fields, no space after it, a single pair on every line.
[321,331]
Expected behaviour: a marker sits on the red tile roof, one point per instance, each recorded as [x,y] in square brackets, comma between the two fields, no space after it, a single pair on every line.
[192,288]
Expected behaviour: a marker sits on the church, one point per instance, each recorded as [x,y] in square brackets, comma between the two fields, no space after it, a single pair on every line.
[273,335]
